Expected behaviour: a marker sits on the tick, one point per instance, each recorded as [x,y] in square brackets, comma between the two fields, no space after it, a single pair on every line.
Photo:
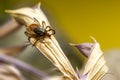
[39,31]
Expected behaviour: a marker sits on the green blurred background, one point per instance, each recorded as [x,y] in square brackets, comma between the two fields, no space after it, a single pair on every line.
[75,21]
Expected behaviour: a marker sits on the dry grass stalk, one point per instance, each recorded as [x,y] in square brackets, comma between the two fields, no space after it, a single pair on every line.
[13,50]
[22,66]
[9,27]
[8,72]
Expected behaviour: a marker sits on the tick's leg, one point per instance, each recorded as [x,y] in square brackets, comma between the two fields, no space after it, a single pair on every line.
[36,21]
[34,44]
[43,24]
[48,28]
[28,35]
[40,39]
[51,32]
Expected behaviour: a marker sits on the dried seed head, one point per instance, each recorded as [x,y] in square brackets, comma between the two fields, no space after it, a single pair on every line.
[96,66]
[25,15]
[84,48]
[47,44]
[13,50]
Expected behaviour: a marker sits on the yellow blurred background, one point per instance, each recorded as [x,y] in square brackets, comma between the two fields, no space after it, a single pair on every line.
[80,19]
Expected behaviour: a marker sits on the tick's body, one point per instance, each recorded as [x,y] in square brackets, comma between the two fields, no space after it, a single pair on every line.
[39,31]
